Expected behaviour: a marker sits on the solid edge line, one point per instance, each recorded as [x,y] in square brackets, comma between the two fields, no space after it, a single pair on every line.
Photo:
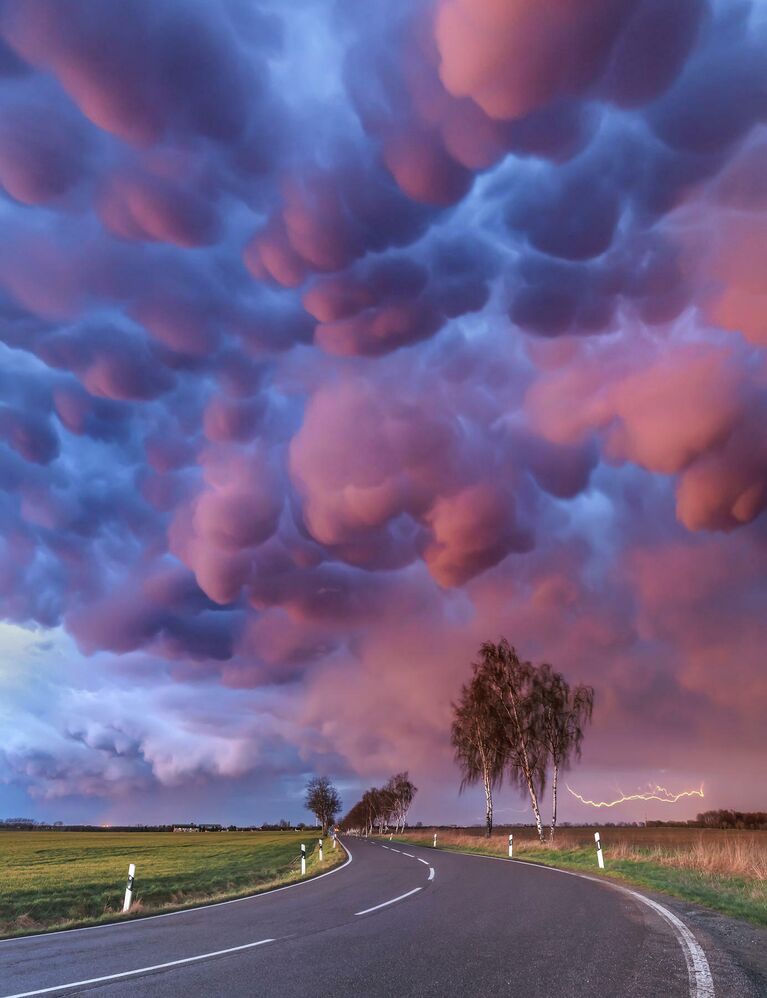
[140,970]
[184,911]
[698,970]
[385,904]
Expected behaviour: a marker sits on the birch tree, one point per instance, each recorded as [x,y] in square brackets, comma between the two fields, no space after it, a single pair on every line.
[402,791]
[510,685]
[377,805]
[563,714]
[478,739]
[380,806]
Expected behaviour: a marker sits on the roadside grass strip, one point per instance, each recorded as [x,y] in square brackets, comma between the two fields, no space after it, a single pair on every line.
[58,881]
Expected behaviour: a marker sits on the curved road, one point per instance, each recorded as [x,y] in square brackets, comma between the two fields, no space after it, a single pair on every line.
[457,925]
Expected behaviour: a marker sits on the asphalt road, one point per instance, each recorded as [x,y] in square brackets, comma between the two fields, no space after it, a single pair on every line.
[463,926]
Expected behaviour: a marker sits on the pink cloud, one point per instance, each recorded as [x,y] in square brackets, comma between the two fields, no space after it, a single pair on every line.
[511,59]
[237,510]
[691,411]
[152,207]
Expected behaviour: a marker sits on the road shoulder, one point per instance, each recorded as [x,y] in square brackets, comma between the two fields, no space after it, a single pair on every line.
[736,949]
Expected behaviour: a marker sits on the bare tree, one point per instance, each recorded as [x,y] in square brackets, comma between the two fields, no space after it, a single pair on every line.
[510,688]
[402,791]
[356,820]
[372,807]
[381,806]
[384,803]
[563,714]
[478,739]
[322,800]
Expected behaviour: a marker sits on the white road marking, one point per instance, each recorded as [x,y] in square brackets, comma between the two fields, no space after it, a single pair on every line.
[392,849]
[386,847]
[185,911]
[385,904]
[431,873]
[141,970]
[409,855]
[425,863]
[698,971]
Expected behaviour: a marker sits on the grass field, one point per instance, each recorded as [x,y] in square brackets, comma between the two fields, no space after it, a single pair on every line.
[722,870]
[53,880]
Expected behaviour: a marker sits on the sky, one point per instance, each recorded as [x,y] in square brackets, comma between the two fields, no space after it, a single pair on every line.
[337,338]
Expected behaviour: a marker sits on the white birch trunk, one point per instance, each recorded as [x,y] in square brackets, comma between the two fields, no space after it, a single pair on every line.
[488,803]
[554,802]
[534,802]
[527,770]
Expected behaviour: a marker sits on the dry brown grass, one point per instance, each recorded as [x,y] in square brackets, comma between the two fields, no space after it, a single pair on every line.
[729,857]
[712,851]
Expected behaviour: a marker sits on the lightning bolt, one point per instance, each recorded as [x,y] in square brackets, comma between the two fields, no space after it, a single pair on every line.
[655,793]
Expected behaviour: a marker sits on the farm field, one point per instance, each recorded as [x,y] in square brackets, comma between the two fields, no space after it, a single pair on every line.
[725,870]
[55,880]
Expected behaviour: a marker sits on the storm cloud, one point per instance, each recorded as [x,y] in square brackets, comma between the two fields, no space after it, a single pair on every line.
[336,340]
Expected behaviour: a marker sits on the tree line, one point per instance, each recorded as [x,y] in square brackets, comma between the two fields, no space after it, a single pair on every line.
[517,721]
[384,808]
[754,820]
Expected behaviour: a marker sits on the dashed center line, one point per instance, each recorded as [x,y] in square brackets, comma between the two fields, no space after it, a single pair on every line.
[141,970]
[385,904]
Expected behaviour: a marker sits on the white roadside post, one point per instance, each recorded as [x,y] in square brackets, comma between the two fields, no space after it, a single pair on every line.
[600,858]
[129,887]
[391,836]
[303,860]
[320,842]
[435,840]
[334,840]
[511,845]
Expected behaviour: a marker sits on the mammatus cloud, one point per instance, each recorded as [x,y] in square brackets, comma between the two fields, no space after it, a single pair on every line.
[692,411]
[334,344]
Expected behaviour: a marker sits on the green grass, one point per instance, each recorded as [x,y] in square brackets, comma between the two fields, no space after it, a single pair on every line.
[54,880]
[722,873]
